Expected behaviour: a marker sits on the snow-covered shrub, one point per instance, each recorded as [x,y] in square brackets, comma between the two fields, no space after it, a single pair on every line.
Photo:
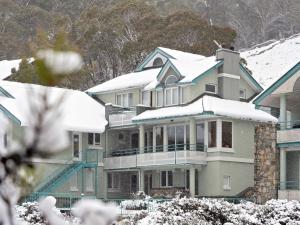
[140,201]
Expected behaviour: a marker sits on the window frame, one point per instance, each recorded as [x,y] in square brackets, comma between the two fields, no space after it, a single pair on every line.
[94,144]
[226,183]
[216,134]
[171,89]
[115,187]
[124,98]
[167,178]
[142,98]
[216,88]
[227,121]
[171,76]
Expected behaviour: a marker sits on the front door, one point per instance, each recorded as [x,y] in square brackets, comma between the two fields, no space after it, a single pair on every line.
[76,146]
[133,183]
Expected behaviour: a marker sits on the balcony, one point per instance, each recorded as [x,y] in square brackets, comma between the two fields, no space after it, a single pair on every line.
[121,116]
[289,132]
[156,156]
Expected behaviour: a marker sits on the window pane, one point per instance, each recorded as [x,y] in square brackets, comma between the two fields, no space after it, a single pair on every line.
[97,139]
[187,175]
[171,138]
[200,137]
[175,96]
[212,134]
[163,178]
[130,99]
[226,134]
[168,96]
[171,79]
[159,139]
[76,145]
[109,180]
[119,99]
[210,88]
[187,141]
[146,98]
[180,137]
[170,178]
[159,98]
[115,181]
[90,138]
[125,100]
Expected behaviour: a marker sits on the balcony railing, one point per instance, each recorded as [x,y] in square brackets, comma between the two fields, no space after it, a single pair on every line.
[289,185]
[121,116]
[157,148]
[289,125]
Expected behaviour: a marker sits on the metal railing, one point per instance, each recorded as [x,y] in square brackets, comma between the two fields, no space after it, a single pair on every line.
[288,125]
[156,149]
[121,116]
[289,185]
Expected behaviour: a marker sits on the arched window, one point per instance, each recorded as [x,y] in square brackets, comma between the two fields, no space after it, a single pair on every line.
[158,62]
[171,79]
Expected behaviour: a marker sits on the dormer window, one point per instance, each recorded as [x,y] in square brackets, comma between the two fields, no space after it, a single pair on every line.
[158,62]
[171,96]
[171,79]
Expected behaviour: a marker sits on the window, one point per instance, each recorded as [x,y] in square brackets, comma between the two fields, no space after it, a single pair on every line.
[74,183]
[171,96]
[113,181]
[166,178]
[226,134]
[158,62]
[125,100]
[159,98]
[146,98]
[159,138]
[226,183]
[211,88]
[76,146]
[94,139]
[212,134]
[243,93]
[176,138]
[89,181]
[200,137]
[171,79]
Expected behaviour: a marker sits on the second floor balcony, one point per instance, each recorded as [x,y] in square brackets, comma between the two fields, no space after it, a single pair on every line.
[178,154]
[288,132]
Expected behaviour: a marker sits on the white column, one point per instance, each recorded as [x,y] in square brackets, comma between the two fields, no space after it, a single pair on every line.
[192,182]
[282,168]
[141,180]
[193,134]
[282,117]
[142,138]
[165,139]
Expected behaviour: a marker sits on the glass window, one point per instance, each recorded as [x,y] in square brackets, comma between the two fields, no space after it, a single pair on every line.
[171,138]
[212,134]
[174,96]
[90,138]
[226,183]
[159,138]
[200,137]
[171,96]
[180,137]
[76,145]
[94,139]
[211,88]
[226,134]
[113,181]
[171,79]
[146,98]
[97,138]
[159,98]
[243,93]
[187,180]
[166,178]
[125,100]
[170,178]
[130,99]
[168,96]
[158,62]
[119,99]
[109,181]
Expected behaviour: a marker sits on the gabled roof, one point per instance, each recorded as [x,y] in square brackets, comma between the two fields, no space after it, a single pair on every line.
[277,83]
[208,105]
[80,112]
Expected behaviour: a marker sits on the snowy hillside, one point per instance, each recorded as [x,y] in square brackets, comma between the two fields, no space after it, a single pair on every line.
[6,66]
[270,60]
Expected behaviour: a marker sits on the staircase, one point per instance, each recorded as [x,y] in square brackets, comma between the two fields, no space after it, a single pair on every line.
[55,180]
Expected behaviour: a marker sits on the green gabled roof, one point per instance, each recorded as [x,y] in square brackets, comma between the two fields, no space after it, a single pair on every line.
[277,84]
[167,65]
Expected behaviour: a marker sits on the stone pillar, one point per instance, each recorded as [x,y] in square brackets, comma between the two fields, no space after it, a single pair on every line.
[142,138]
[141,180]
[282,117]
[193,134]
[165,140]
[192,181]
[282,168]
[266,166]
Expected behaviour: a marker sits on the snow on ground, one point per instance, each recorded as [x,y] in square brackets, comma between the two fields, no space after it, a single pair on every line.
[271,60]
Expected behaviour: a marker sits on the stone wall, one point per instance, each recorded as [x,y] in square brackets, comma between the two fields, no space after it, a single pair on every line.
[266,168]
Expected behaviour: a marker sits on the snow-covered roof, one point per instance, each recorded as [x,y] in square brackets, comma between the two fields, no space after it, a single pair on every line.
[6,66]
[131,80]
[80,112]
[269,61]
[208,104]
[176,54]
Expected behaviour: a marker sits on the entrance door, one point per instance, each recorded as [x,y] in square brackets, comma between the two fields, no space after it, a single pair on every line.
[76,146]
[133,183]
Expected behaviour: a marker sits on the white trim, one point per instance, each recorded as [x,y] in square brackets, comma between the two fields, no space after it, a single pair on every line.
[229,159]
[229,76]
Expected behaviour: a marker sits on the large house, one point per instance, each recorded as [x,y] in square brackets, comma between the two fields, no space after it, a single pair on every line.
[181,121]
[281,99]
[79,169]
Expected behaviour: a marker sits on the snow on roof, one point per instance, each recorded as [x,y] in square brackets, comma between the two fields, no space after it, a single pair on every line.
[79,111]
[191,69]
[208,104]
[181,55]
[131,80]
[6,66]
[270,61]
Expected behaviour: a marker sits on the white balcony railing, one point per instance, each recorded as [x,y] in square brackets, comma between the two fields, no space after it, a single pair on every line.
[121,118]
[286,136]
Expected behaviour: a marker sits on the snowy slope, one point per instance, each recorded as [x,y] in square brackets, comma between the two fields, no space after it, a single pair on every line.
[270,60]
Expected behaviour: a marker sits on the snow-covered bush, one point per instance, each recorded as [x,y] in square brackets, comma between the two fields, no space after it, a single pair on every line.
[140,201]
[191,211]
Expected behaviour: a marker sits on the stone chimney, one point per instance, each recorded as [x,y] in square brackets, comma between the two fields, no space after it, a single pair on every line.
[231,60]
